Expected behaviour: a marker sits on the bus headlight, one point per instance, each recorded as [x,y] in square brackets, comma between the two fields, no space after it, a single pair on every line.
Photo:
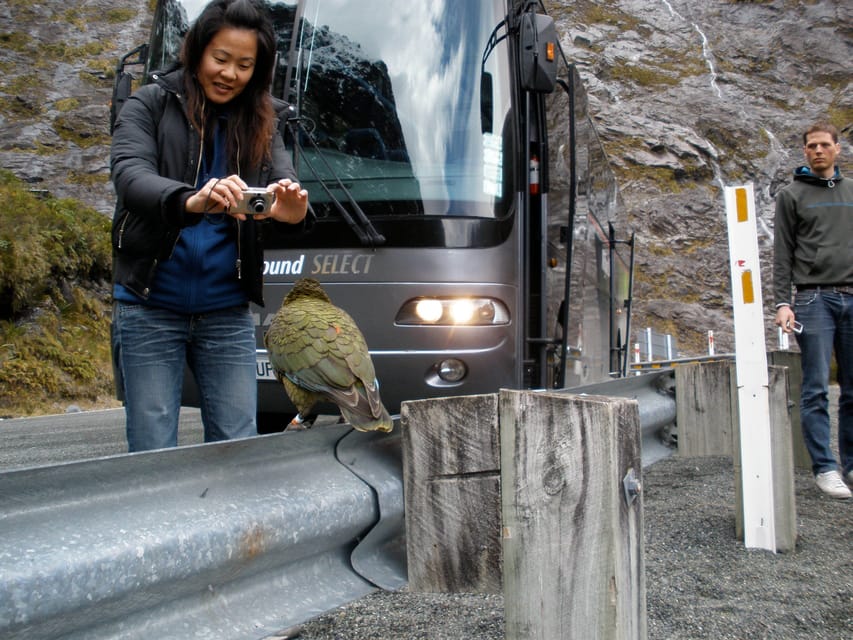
[453,312]
[428,310]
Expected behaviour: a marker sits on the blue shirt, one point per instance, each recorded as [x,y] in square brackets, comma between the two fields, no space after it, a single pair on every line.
[201,274]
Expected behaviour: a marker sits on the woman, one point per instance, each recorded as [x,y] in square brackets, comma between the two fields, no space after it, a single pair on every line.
[185,263]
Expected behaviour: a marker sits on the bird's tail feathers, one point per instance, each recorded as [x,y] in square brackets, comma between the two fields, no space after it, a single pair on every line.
[361,422]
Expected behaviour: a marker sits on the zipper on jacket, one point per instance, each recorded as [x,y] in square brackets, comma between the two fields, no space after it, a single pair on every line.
[200,155]
[239,264]
[200,139]
[121,228]
[239,224]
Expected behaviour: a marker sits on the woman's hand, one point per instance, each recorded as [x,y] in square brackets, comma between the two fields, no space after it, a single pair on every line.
[291,202]
[218,195]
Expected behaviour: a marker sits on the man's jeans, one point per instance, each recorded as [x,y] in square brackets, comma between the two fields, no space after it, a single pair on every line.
[151,348]
[827,319]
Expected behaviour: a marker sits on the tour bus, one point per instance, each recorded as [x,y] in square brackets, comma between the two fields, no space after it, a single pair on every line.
[462,208]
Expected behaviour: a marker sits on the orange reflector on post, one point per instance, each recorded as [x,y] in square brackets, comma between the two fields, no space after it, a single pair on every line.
[742,208]
[746,283]
[549,51]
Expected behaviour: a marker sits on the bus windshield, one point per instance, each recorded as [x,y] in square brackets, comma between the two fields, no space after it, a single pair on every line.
[402,104]
[393,94]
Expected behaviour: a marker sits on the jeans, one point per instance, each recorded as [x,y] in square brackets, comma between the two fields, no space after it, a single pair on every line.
[827,319]
[152,347]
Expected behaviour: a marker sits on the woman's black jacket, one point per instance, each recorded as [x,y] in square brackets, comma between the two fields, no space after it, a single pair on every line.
[154,162]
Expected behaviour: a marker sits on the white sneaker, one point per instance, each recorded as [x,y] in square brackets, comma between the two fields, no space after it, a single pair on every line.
[831,484]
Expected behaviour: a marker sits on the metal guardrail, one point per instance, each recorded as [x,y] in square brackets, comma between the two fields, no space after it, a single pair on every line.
[667,364]
[654,392]
[230,540]
[233,540]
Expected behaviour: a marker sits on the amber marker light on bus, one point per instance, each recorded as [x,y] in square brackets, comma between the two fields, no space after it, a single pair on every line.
[453,312]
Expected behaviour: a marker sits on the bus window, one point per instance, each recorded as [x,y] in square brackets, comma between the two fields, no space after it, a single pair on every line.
[398,116]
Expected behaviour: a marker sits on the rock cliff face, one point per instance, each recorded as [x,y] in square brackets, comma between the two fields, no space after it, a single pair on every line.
[56,66]
[692,96]
[688,97]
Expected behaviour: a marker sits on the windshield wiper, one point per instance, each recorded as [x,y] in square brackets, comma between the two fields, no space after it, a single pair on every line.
[361,224]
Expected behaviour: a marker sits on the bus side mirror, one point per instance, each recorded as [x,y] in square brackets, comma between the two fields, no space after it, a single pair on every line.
[121,92]
[487,103]
[123,83]
[538,53]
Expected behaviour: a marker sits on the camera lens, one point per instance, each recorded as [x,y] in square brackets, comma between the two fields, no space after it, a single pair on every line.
[257,204]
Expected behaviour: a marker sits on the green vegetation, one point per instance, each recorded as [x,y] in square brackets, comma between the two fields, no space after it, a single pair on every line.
[585,12]
[667,67]
[117,16]
[660,250]
[82,17]
[21,83]
[54,302]
[87,179]
[66,104]
[839,114]
[66,52]
[98,70]
[645,76]
[15,41]
[19,107]
[666,179]
[69,129]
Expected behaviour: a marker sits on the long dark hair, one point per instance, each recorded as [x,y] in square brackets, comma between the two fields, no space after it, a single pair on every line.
[251,111]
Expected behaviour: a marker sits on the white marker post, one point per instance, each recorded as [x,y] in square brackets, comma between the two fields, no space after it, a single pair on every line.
[751,368]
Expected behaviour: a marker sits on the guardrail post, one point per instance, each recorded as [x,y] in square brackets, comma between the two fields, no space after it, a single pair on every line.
[708,424]
[782,465]
[791,360]
[572,517]
[452,494]
[705,408]
[451,471]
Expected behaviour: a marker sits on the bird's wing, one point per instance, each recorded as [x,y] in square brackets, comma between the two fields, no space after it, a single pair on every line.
[317,349]
[314,345]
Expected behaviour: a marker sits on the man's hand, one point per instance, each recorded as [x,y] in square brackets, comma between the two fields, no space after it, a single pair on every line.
[785,318]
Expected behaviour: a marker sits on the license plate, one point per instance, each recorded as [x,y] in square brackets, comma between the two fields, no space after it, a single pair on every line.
[263,369]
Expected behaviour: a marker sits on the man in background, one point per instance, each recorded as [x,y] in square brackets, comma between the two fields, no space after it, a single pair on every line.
[813,251]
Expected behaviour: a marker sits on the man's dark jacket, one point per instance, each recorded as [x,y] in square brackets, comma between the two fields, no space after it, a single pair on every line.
[154,161]
[813,235]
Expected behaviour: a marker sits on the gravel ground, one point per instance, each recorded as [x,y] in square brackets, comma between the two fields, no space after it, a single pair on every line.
[701,582]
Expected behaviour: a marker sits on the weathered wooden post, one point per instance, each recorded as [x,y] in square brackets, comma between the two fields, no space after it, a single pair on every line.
[452,494]
[791,360]
[704,408]
[709,424]
[572,517]
[781,454]
[707,411]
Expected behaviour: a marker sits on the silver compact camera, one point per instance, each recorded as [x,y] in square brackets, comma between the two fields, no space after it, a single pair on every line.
[254,201]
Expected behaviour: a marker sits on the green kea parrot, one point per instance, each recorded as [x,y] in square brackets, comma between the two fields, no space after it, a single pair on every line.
[318,353]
